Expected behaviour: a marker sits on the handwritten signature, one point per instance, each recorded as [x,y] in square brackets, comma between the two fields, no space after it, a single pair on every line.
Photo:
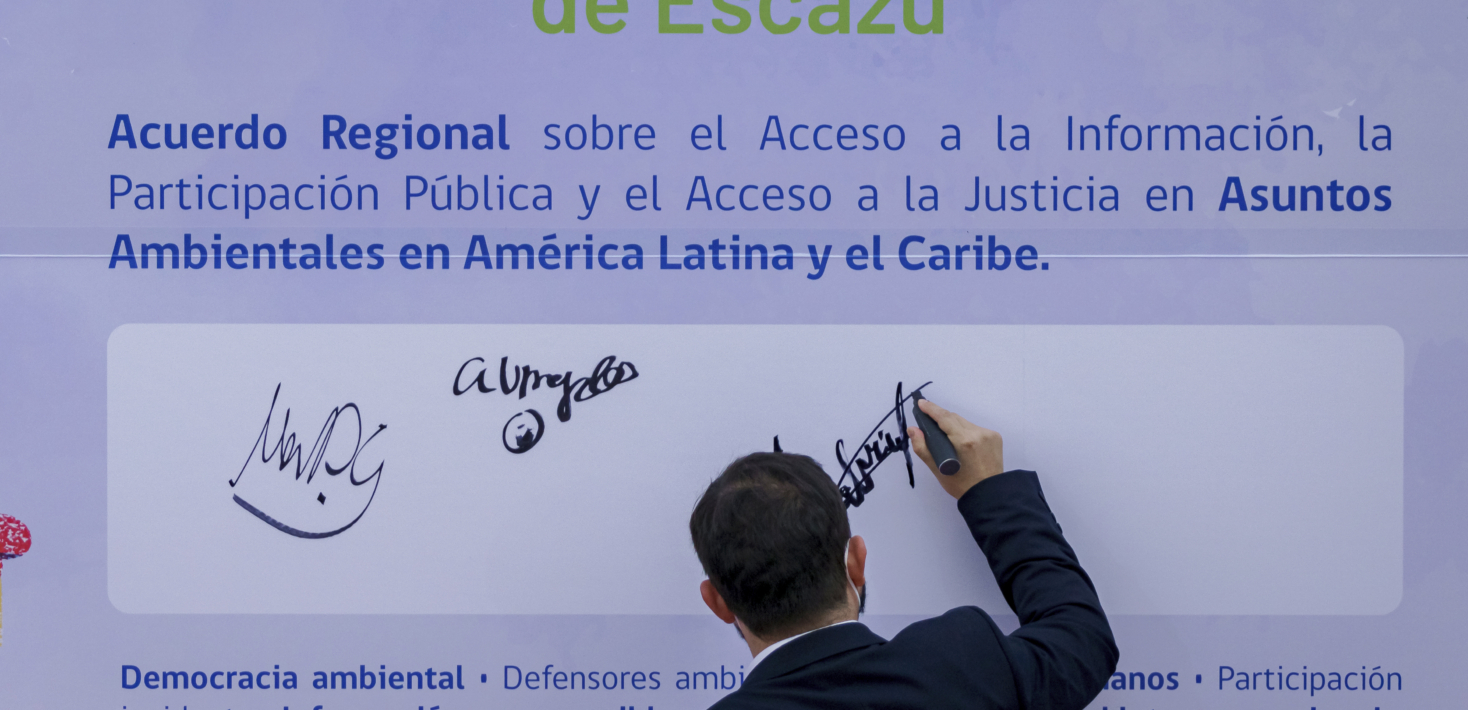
[878,445]
[524,430]
[323,457]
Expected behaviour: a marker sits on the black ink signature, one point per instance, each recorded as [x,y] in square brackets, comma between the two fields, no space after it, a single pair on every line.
[524,429]
[287,451]
[874,449]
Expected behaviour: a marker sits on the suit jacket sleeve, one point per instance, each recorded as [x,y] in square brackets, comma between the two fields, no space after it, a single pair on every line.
[1063,653]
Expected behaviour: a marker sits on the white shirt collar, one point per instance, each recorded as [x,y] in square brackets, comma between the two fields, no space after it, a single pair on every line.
[776,645]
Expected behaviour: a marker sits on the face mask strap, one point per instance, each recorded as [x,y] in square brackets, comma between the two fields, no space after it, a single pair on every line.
[846,565]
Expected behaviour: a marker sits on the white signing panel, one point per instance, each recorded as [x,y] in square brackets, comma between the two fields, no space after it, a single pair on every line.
[508,469]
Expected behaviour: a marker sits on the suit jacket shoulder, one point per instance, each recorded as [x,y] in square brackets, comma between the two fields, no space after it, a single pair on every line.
[951,661]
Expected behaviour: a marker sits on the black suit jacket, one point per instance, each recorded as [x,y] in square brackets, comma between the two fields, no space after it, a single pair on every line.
[1059,658]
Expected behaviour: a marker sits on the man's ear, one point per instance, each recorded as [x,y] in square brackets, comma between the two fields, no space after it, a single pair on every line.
[856,561]
[715,601]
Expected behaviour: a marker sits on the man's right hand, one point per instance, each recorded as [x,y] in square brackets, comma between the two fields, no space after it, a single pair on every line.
[980,451]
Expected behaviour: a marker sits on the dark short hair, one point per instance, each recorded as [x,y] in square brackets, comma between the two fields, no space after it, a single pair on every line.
[771,532]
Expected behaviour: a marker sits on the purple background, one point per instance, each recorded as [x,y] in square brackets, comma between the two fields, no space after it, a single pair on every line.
[67,68]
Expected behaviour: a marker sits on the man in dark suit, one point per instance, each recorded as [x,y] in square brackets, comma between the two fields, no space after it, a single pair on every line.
[772,534]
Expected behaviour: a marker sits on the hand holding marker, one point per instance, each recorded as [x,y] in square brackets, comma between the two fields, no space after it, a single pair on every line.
[960,453]
[15,539]
[938,444]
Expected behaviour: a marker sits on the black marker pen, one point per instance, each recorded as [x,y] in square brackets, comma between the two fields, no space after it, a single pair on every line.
[938,444]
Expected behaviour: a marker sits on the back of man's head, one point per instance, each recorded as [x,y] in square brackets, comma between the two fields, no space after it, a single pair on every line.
[771,532]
